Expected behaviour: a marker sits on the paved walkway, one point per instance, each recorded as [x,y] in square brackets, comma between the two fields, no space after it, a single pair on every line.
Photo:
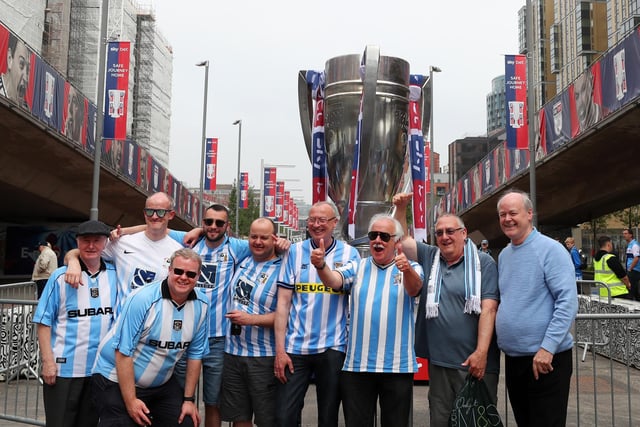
[597,382]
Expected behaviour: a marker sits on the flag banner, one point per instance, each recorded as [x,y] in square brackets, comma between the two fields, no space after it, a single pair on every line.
[279,201]
[16,69]
[516,101]
[116,90]
[319,168]
[112,152]
[291,211]
[587,95]
[143,170]
[285,208]
[74,114]
[416,154]
[269,193]
[244,190]
[296,218]
[131,160]
[558,126]
[518,161]
[620,69]
[156,175]
[48,94]
[211,164]
[487,174]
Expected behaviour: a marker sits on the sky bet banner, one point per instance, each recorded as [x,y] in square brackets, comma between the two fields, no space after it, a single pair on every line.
[244,190]
[417,151]
[116,90]
[269,192]
[279,201]
[515,71]
[211,164]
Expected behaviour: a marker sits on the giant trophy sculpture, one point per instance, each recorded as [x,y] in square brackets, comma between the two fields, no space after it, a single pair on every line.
[367,98]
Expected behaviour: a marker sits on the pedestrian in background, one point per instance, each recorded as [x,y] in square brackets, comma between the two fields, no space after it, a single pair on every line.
[576,259]
[633,263]
[45,265]
[608,270]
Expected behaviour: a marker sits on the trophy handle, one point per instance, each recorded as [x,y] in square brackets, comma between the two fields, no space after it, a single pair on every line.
[371,61]
[426,98]
[305,108]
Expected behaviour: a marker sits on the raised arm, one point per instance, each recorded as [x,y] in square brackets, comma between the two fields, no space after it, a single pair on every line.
[409,246]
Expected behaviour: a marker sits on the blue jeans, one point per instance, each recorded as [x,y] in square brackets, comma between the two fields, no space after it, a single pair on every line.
[326,368]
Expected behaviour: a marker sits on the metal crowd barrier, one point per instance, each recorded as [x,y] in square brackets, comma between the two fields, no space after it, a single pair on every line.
[604,391]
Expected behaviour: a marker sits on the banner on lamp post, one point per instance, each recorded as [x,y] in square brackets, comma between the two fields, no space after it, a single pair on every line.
[244,190]
[211,164]
[269,193]
[116,90]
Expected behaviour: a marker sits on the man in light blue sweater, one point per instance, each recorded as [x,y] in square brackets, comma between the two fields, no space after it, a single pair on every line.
[538,305]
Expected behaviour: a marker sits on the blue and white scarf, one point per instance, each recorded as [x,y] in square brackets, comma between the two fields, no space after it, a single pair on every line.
[472,282]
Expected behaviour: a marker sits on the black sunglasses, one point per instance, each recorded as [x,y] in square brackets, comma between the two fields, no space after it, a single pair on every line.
[385,237]
[179,272]
[160,212]
[209,222]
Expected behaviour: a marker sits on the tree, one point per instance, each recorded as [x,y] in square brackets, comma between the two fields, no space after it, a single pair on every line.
[246,216]
[629,216]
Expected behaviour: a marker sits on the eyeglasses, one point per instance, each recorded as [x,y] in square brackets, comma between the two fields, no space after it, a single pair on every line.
[179,272]
[385,237]
[320,221]
[209,222]
[160,212]
[449,231]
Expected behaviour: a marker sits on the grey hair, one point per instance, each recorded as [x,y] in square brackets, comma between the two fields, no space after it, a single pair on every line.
[186,253]
[450,215]
[399,233]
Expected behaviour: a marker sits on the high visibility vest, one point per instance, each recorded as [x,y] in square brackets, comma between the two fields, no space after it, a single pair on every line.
[602,273]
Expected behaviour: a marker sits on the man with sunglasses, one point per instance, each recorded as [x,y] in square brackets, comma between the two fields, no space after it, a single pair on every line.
[220,255]
[133,379]
[456,312]
[380,360]
[139,258]
[310,323]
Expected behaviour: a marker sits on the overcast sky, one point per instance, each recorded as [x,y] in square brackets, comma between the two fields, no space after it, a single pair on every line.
[256,49]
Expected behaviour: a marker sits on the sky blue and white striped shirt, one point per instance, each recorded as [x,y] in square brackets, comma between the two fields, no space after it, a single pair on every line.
[155,334]
[318,317]
[254,290]
[381,326]
[218,267]
[79,318]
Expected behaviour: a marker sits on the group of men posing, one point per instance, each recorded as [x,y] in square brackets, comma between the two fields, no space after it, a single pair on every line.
[261,318]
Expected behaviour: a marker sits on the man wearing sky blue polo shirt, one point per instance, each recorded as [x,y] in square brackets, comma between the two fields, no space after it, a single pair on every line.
[133,379]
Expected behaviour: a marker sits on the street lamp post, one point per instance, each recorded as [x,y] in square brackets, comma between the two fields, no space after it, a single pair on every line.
[239,123]
[203,157]
[432,195]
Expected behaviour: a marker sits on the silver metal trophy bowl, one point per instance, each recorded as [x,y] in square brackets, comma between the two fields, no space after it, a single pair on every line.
[382,84]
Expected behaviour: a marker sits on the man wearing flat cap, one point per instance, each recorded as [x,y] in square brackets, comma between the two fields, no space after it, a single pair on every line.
[71,323]
[45,265]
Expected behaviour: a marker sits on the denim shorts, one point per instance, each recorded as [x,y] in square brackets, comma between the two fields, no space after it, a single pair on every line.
[211,371]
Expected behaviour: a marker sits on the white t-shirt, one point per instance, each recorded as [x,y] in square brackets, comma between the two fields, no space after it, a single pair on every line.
[139,261]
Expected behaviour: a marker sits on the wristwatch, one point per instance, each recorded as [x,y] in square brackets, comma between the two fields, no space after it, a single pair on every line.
[188,398]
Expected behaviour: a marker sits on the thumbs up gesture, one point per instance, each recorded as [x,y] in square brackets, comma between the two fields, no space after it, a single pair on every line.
[317,256]
[402,263]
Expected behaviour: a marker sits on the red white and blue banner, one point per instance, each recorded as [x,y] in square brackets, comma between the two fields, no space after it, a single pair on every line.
[416,153]
[244,190]
[292,209]
[285,207]
[319,167]
[116,90]
[515,71]
[279,201]
[353,195]
[211,164]
[48,94]
[269,193]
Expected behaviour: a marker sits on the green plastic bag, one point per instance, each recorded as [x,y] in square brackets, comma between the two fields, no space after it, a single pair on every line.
[473,406]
